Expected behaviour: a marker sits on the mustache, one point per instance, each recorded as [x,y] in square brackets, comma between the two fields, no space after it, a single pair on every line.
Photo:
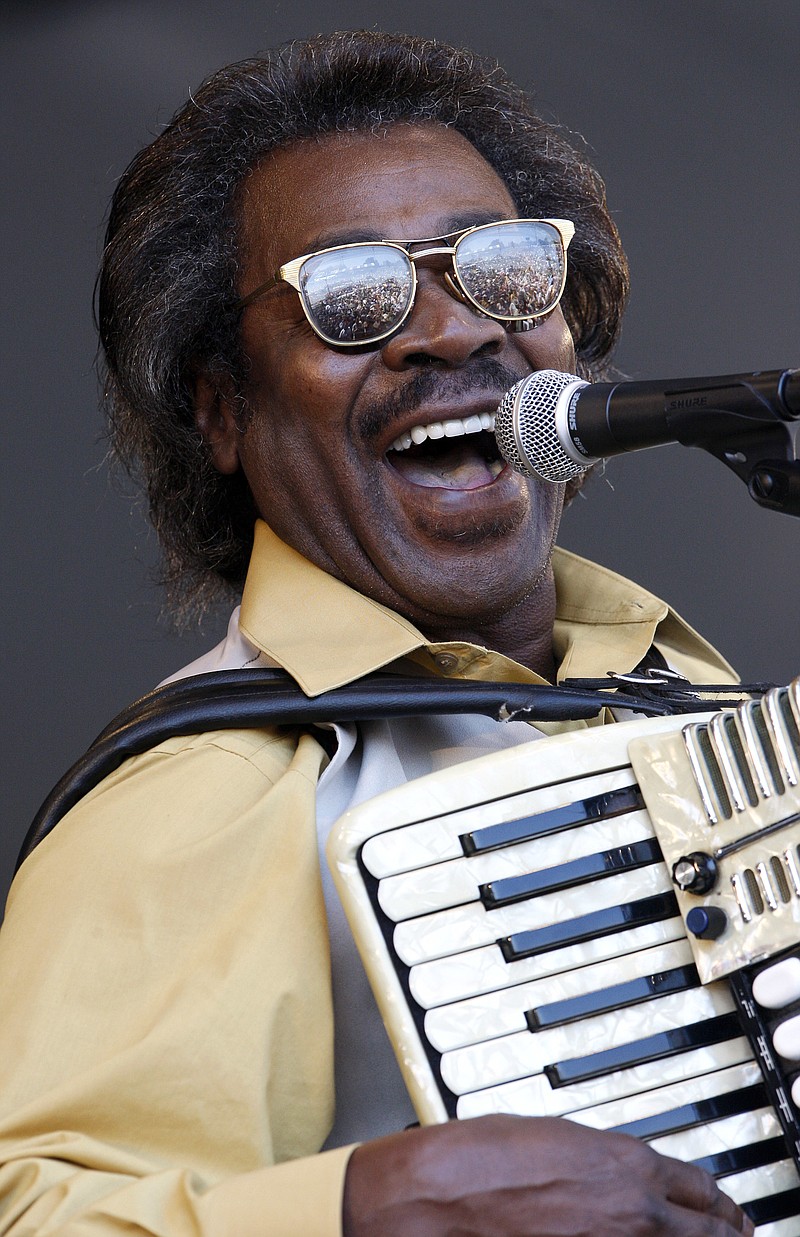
[434,385]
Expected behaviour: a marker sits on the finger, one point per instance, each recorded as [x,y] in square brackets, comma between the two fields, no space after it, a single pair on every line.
[695,1190]
[778,985]
[685,1222]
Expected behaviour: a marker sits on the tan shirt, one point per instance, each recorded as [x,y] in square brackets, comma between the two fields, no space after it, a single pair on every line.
[166,1022]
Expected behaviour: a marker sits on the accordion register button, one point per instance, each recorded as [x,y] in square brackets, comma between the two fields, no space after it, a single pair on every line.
[778,985]
[786,1042]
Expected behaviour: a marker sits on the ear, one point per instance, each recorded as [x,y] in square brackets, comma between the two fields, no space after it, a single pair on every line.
[215,418]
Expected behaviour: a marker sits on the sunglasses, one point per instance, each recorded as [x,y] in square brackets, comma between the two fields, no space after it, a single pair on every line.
[512,271]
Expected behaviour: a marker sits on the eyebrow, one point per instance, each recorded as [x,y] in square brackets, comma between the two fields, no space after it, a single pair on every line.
[447,226]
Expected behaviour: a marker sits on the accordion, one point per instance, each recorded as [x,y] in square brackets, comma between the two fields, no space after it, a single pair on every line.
[571,928]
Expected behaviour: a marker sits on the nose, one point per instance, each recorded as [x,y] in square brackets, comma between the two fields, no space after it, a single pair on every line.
[441,329]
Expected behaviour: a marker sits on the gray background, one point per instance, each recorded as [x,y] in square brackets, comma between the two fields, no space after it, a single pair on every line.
[691,109]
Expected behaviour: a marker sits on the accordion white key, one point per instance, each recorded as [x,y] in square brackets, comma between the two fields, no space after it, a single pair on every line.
[546,931]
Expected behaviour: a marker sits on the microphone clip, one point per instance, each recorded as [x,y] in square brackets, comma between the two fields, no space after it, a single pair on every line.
[764,459]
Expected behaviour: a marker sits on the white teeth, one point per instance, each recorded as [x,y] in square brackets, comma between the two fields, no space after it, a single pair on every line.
[444,429]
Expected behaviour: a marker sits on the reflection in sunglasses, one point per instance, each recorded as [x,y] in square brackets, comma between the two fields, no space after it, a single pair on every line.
[511,270]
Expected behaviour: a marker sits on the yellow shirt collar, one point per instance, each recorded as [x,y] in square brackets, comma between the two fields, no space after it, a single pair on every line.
[327,634]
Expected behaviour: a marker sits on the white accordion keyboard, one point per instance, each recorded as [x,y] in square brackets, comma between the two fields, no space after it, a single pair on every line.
[521,919]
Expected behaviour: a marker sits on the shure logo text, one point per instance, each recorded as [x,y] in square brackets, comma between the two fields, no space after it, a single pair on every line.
[696,401]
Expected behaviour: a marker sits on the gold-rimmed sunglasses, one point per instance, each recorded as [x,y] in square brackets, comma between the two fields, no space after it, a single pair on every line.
[513,271]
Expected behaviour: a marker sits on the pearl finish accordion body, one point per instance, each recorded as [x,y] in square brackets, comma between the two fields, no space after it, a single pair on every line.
[571,927]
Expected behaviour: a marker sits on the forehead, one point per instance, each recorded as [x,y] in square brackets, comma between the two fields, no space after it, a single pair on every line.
[412,181]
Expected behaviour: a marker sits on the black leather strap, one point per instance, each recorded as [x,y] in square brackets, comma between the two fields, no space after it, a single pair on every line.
[241,699]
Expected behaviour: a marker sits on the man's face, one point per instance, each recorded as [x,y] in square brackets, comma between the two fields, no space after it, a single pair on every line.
[441,531]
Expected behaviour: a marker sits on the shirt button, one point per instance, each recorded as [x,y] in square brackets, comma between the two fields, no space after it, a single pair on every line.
[446,661]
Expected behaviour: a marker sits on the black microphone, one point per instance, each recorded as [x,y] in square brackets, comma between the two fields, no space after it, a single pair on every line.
[556,425]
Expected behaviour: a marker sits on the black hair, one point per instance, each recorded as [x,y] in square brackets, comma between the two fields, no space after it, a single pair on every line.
[167,295]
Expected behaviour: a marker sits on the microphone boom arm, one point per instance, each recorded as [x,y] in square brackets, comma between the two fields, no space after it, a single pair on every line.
[756,445]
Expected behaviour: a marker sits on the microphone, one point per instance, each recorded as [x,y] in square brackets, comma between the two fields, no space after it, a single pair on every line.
[556,425]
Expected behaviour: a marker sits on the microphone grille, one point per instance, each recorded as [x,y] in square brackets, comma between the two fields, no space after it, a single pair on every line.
[525,427]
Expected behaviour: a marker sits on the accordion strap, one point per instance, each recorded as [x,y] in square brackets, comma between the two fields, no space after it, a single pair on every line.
[242,699]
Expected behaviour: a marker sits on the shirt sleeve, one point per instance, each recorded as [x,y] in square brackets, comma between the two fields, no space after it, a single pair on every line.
[166,1034]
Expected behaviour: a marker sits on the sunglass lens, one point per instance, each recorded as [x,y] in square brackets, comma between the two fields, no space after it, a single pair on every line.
[357,293]
[512,270]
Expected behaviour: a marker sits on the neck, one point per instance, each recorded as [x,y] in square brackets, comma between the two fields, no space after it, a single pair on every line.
[523,633]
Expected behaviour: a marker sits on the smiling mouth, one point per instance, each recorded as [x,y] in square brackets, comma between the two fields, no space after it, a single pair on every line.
[454,455]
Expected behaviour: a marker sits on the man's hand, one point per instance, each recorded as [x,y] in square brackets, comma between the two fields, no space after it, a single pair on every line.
[528,1177]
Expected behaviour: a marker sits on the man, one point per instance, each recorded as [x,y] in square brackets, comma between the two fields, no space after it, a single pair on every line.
[167,1056]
